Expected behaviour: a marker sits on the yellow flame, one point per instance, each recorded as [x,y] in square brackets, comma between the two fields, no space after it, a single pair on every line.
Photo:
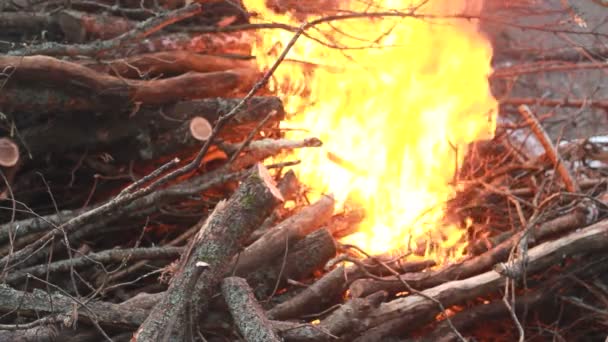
[392,105]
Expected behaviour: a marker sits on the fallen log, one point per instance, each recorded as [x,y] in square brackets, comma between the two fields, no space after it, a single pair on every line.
[209,257]
[248,316]
[273,244]
[394,317]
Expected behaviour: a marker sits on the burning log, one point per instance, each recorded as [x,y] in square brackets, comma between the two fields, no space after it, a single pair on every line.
[579,218]
[394,317]
[274,243]
[209,256]
[248,315]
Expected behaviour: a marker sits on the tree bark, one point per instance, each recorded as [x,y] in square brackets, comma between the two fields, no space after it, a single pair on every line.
[272,244]
[248,315]
[209,257]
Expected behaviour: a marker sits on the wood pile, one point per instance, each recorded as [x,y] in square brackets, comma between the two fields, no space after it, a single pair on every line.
[140,203]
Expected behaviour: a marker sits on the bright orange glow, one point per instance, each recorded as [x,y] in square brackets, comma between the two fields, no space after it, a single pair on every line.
[391,116]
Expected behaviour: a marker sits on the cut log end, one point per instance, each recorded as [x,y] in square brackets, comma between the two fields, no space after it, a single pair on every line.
[9,153]
[270,183]
[200,128]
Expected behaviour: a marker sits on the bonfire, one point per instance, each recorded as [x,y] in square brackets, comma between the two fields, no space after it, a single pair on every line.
[320,170]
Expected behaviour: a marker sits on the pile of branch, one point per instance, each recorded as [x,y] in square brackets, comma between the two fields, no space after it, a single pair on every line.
[140,202]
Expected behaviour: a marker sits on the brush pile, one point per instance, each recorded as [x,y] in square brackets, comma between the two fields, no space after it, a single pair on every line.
[140,203]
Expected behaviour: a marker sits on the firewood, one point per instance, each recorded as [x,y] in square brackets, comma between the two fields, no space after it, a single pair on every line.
[580,216]
[289,187]
[272,245]
[141,30]
[111,255]
[167,63]
[330,287]
[307,256]
[79,27]
[321,294]
[39,302]
[150,134]
[475,265]
[114,92]
[543,137]
[230,43]
[338,322]
[26,22]
[248,315]
[209,257]
[200,128]
[9,153]
[484,313]
[259,150]
[393,317]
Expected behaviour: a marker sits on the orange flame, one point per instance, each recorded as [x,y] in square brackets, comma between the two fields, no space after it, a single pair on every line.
[395,106]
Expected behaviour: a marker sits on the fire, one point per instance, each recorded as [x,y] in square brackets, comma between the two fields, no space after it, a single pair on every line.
[396,101]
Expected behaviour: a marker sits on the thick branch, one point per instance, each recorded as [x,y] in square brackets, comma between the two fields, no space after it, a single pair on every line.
[209,256]
[248,316]
[272,244]
[403,313]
